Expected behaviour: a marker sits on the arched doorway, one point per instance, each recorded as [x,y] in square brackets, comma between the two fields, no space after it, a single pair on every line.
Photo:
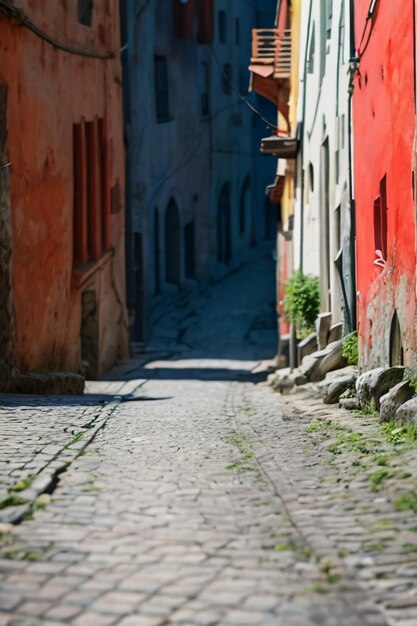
[396,351]
[224,226]
[243,205]
[156,252]
[271,219]
[172,244]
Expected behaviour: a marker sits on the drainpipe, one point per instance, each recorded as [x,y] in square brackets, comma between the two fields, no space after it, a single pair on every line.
[293,337]
[352,70]
[302,139]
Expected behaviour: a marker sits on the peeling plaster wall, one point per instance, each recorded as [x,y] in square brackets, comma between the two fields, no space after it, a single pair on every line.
[49,91]
[384,125]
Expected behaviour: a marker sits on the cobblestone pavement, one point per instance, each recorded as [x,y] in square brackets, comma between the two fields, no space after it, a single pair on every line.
[39,437]
[207,499]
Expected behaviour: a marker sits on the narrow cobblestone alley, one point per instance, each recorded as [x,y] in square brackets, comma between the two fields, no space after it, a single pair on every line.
[188,493]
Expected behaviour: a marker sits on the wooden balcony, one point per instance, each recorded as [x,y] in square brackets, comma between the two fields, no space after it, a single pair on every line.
[281,147]
[272,47]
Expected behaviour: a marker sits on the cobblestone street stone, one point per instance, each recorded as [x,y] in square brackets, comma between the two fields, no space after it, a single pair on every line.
[205,499]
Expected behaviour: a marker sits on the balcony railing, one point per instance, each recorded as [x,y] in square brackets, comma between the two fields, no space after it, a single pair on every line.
[272,46]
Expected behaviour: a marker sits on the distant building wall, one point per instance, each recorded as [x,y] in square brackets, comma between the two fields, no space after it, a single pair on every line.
[49,92]
[196,152]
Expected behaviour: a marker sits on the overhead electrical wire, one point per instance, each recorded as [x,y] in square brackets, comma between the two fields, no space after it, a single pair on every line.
[241,97]
[369,20]
[24,20]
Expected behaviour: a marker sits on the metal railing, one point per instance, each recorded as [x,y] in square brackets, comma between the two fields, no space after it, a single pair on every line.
[272,46]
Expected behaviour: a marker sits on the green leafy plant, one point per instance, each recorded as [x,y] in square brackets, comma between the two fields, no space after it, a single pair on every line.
[410,375]
[302,302]
[350,349]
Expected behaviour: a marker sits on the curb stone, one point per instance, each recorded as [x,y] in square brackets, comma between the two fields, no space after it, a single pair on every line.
[46,480]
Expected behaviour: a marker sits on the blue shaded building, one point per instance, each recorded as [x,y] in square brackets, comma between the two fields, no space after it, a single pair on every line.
[195,179]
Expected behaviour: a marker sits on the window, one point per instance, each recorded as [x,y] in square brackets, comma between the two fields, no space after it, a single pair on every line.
[161,89]
[222,23]
[342,34]
[227,78]
[380,219]
[323,37]
[85,12]
[205,89]
[312,51]
[329,18]
[189,239]
[243,207]
[92,198]
[156,252]
[311,177]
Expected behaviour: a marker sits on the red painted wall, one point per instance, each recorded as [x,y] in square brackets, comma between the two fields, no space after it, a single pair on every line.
[384,125]
[48,91]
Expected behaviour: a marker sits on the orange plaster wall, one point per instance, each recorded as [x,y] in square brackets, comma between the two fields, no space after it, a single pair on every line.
[48,91]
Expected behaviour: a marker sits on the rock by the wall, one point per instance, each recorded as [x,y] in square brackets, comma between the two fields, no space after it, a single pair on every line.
[407,413]
[350,404]
[337,382]
[317,365]
[335,332]
[372,385]
[323,323]
[286,379]
[307,346]
[333,360]
[309,367]
[396,397]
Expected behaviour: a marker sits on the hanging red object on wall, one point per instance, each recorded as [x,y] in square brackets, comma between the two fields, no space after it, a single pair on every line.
[184,16]
[205,21]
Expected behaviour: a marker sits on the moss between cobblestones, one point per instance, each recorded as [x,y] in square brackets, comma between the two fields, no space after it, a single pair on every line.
[241,443]
[408,501]
[241,465]
[90,487]
[13,549]
[377,478]
[246,409]
[75,439]
[410,547]
[12,500]
[23,484]
[284,547]
[317,588]
[376,547]
[382,523]
[23,555]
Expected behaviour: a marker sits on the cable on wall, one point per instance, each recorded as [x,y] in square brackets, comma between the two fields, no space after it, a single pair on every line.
[23,20]
[369,20]
[241,97]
